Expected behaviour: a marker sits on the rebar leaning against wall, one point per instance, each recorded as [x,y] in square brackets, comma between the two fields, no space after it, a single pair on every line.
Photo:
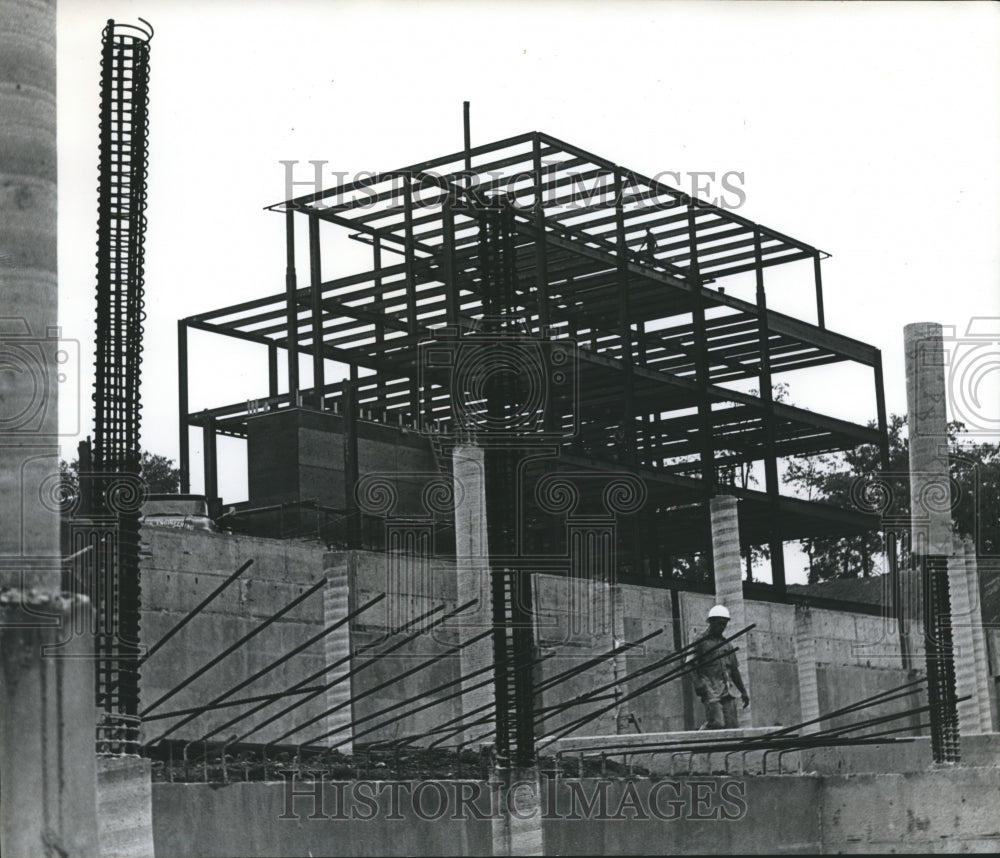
[116,488]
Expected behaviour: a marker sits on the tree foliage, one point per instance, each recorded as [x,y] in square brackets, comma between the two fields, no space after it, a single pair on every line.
[158,472]
[856,479]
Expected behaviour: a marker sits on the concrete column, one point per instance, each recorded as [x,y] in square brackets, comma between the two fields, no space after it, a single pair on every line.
[969,719]
[729,581]
[982,666]
[29,340]
[337,603]
[47,732]
[926,401]
[473,580]
[805,661]
[47,751]
[931,525]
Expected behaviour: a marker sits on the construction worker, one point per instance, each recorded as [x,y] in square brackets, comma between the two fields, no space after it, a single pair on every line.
[716,674]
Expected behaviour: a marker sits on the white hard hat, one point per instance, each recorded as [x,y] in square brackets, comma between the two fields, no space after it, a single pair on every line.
[719,611]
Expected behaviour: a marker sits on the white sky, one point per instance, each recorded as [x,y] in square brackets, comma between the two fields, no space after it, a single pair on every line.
[868,130]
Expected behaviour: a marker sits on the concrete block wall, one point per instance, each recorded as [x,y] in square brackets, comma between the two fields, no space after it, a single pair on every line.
[179,568]
[774,681]
[646,610]
[569,641]
[641,611]
[857,655]
[370,573]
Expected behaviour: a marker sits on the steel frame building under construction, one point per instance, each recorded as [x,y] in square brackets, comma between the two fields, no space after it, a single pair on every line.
[570,318]
[554,253]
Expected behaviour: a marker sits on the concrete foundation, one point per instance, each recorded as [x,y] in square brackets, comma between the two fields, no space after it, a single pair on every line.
[936,810]
[517,825]
[125,807]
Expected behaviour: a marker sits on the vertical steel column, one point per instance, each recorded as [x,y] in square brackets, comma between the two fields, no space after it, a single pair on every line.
[890,539]
[210,459]
[702,366]
[513,618]
[541,266]
[467,136]
[883,423]
[451,294]
[291,309]
[411,290]
[408,259]
[624,322]
[350,388]
[631,458]
[541,250]
[451,288]
[818,277]
[499,498]
[272,370]
[380,390]
[767,397]
[316,305]
[183,441]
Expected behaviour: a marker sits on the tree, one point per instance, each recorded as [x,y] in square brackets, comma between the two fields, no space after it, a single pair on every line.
[158,472]
[856,479]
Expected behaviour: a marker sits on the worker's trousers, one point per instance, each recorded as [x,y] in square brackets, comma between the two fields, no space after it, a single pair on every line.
[721,714]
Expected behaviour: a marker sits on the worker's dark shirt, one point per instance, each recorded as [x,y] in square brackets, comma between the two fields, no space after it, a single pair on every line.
[713,678]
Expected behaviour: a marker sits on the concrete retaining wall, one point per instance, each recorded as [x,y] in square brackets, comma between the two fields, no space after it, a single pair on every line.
[857,655]
[946,810]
